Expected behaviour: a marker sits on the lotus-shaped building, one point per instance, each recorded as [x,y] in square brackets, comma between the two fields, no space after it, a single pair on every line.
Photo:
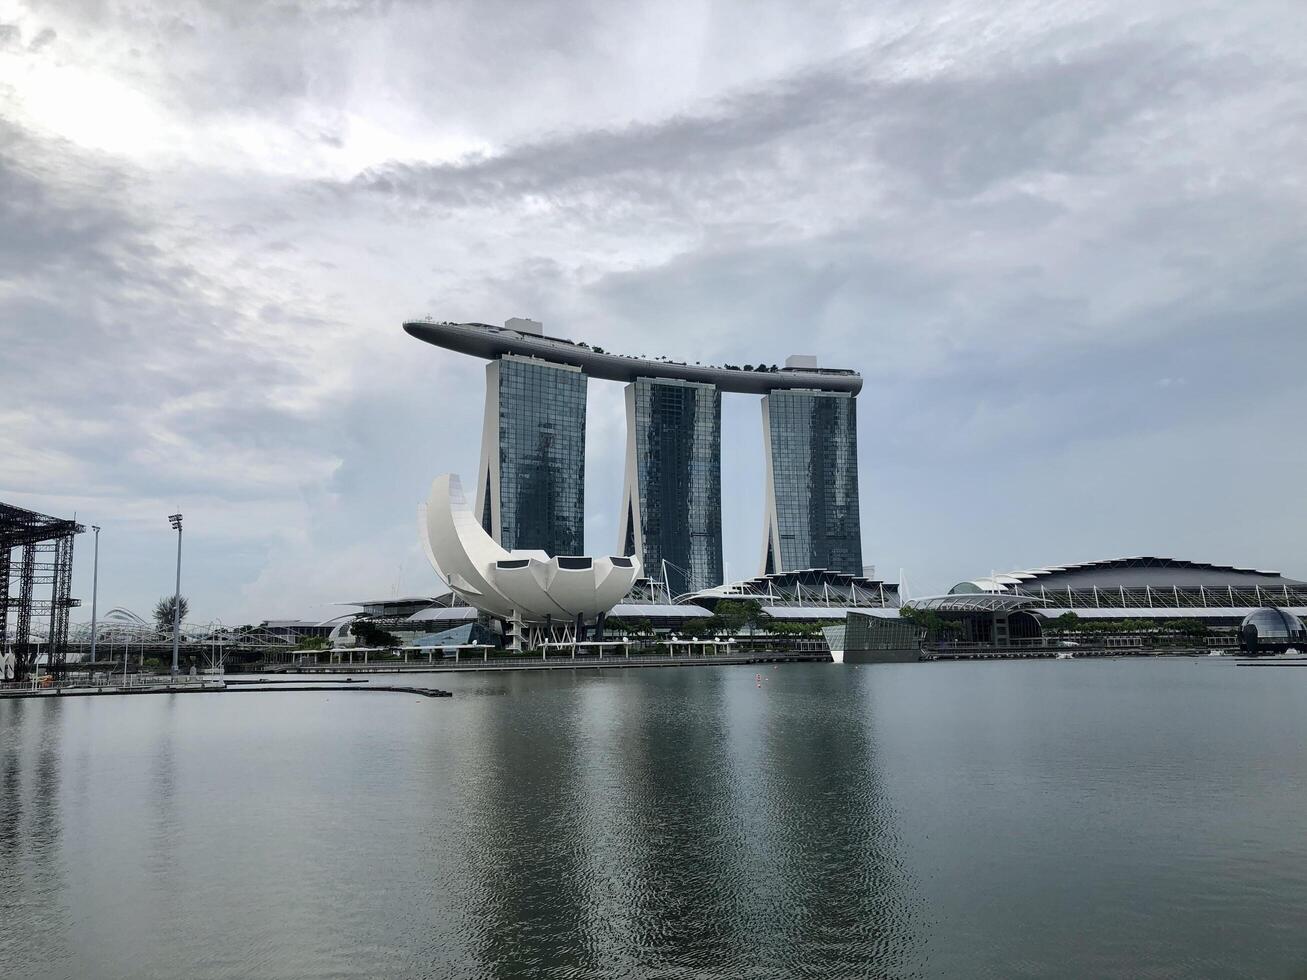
[523,588]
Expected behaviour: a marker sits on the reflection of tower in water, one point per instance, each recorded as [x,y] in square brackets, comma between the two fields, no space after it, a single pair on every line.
[524,840]
[783,853]
[845,899]
[686,822]
[32,827]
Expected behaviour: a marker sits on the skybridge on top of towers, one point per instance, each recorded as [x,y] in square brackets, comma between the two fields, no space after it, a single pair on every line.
[526,338]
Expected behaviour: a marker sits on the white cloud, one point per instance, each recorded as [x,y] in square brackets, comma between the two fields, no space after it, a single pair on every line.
[1013,220]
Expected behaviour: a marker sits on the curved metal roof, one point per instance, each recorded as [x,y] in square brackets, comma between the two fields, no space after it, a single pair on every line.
[976,602]
[829,612]
[484,340]
[811,578]
[643,610]
[438,614]
[1002,581]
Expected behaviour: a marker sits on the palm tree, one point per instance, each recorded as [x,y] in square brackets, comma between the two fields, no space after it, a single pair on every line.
[163,612]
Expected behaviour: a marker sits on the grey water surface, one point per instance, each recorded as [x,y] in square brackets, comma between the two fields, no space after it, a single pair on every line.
[1117,818]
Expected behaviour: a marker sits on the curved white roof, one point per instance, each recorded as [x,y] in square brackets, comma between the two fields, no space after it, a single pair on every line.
[526,585]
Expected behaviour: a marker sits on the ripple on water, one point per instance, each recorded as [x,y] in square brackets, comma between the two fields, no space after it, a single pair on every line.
[996,820]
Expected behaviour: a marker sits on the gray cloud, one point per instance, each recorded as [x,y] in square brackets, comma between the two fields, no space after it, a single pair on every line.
[1063,242]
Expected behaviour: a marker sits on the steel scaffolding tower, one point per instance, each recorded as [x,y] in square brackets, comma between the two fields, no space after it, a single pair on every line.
[44,547]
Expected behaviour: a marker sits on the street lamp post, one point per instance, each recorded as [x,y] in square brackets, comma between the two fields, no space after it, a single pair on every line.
[176,521]
[95,589]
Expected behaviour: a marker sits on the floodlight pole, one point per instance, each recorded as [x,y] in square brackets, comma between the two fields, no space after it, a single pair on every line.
[95,589]
[176,521]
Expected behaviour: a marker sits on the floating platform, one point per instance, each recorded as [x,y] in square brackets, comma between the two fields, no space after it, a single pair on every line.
[320,687]
[104,690]
[245,681]
[242,686]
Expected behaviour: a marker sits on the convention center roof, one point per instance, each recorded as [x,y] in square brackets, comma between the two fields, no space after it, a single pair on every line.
[1129,573]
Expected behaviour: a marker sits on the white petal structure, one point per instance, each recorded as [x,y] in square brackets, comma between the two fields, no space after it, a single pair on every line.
[523,586]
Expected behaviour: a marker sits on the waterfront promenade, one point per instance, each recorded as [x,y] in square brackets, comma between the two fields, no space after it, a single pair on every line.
[330,676]
[611,662]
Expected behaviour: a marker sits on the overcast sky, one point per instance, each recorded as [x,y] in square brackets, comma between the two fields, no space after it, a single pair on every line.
[1064,242]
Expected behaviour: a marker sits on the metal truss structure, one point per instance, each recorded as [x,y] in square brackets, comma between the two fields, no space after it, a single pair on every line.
[1170,597]
[806,587]
[648,591]
[44,549]
[977,602]
[121,631]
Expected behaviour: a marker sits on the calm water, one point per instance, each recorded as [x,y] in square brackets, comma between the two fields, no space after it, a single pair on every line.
[1105,819]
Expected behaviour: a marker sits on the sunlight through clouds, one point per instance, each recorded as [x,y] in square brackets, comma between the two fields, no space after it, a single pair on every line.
[1012,219]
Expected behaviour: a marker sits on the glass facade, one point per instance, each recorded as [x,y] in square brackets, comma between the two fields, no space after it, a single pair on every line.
[812,451]
[874,633]
[678,474]
[1273,623]
[541,457]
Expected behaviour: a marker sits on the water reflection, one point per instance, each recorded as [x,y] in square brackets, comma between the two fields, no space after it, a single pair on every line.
[11,804]
[962,820]
[525,848]
[165,819]
[694,854]
[845,896]
[688,824]
[31,830]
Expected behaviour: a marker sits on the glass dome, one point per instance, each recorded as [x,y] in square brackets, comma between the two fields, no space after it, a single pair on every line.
[1274,624]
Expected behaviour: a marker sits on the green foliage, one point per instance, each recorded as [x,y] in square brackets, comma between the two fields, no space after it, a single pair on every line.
[1188,627]
[1068,622]
[163,612]
[807,627]
[700,628]
[311,643]
[932,622]
[369,634]
[734,614]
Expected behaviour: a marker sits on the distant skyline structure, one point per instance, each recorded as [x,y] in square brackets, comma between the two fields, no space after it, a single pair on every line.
[812,518]
[530,492]
[531,484]
[672,499]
